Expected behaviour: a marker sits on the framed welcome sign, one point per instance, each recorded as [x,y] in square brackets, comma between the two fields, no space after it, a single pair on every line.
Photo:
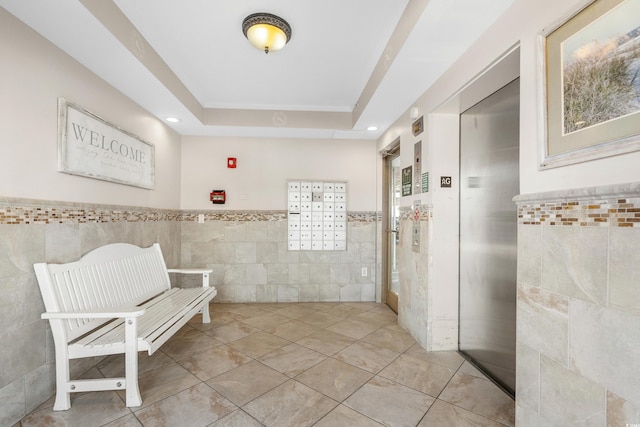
[94,148]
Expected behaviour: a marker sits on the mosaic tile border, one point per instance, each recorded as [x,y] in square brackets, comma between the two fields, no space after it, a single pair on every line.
[610,206]
[234,216]
[249,216]
[602,213]
[23,212]
[16,215]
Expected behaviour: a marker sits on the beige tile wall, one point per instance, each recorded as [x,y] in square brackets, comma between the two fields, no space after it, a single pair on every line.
[251,263]
[413,301]
[34,231]
[578,330]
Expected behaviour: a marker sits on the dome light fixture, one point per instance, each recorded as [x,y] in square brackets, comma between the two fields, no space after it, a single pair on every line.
[266,31]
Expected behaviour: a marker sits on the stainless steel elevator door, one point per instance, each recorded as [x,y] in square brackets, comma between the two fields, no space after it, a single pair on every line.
[489,179]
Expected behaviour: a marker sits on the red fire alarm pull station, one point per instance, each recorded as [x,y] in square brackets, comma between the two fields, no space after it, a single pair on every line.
[218,197]
[231,162]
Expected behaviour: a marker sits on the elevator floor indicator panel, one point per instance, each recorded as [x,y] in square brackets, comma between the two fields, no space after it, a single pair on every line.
[317,215]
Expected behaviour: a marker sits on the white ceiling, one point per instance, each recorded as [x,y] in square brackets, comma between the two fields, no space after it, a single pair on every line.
[350,64]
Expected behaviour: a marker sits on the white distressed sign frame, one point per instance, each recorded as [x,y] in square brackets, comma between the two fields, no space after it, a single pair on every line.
[94,148]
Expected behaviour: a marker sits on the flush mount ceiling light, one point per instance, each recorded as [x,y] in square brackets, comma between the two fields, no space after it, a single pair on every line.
[266,31]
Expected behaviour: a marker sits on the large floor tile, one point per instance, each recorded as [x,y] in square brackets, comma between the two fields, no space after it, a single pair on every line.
[295,311]
[246,311]
[237,418]
[450,359]
[343,416]
[348,309]
[391,337]
[292,330]
[445,414]
[319,306]
[113,366]
[334,378]
[243,384]
[292,359]
[217,319]
[197,406]
[259,344]
[418,374]
[291,404]
[469,369]
[321,319]
[231,331]
[390,403]
[353,328]
[481,396]
[186,342]
[367,356]
[266,321]
[129,420]
[87,409]
[163,382]
[326,342]
[214,362]
[376,317]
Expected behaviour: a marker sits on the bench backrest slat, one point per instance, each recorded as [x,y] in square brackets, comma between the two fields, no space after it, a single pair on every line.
[108,278]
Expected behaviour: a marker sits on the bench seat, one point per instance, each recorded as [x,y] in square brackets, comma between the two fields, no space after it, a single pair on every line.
[163,316]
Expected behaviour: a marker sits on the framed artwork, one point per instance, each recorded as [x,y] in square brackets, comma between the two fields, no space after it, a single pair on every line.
[589,72]
[418,126]
[94,148]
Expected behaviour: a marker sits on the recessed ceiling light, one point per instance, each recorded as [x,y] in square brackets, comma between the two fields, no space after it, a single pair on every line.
[173,120]
[372,128]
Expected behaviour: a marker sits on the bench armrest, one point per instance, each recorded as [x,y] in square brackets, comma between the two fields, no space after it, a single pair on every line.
[122,312]
[204,271]
[190,270]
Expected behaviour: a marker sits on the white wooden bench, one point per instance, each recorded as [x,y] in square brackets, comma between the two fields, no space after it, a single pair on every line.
[116,299]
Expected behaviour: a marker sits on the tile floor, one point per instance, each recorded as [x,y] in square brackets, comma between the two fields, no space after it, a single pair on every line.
[306,364]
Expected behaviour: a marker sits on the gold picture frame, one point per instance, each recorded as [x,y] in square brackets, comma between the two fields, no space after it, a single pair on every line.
[584,116]
[418,126]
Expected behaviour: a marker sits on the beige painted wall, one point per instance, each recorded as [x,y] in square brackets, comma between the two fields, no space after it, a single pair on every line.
[266,164]
[33,75]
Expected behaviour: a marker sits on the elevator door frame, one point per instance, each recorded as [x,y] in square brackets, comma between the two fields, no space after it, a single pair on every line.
[390,229]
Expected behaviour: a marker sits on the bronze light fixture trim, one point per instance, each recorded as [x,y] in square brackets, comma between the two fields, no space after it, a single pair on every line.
[266,31]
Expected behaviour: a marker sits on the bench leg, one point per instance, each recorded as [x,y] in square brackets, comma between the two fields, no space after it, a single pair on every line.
[63,377]
[63,396]
[206,318]
[131,363]
[205,310]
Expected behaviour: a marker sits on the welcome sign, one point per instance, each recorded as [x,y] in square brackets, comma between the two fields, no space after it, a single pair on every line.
[91,147]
